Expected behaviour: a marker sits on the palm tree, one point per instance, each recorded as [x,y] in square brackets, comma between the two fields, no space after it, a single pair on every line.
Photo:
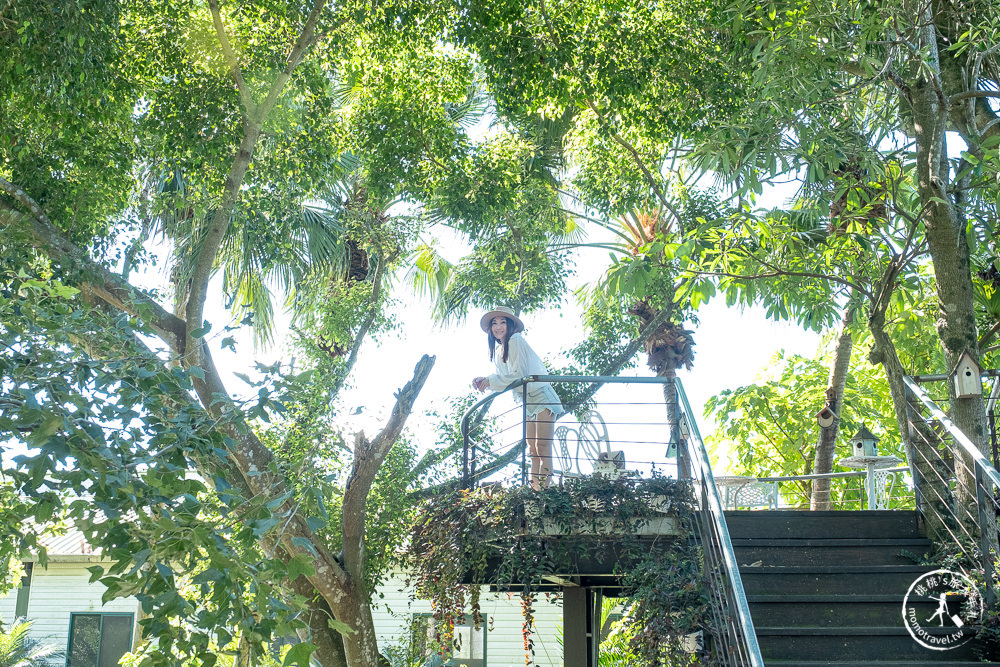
[18,649]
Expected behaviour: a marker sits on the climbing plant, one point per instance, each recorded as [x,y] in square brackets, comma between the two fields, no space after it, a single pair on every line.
[504,535]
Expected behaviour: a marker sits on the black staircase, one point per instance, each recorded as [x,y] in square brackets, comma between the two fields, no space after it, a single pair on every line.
[827,588]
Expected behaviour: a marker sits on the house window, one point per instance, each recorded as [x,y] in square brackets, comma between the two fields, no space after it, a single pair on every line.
[470,650]
[98,640]
[21,605]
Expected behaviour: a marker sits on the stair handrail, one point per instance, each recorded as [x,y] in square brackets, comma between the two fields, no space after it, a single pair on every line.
[960,438]
[984,472]
[702,470]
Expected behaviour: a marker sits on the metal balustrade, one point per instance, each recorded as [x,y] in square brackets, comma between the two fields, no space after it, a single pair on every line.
[957,488]
[622,426]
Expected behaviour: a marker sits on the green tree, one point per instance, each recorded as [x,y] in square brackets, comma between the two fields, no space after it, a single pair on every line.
[910,71]
[769,427]
[263,144]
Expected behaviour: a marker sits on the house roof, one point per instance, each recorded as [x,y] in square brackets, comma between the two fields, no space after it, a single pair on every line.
[71,543]
[864,434]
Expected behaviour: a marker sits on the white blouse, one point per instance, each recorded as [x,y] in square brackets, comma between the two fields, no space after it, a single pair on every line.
[521,362]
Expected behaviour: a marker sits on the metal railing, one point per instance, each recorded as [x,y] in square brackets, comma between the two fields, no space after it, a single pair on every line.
[649,431]
[741,492]
[630,419]
[734,631]
[957,489]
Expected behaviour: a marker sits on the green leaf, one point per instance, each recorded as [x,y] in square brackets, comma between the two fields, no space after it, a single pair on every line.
[298,655]
[300,564]
[46,430]
[340,626]
[304,543]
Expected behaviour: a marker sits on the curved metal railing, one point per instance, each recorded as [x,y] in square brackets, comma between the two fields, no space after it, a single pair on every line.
[735,642]
[637,438]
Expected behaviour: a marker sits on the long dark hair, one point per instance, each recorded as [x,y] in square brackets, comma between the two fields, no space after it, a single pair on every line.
[494,340]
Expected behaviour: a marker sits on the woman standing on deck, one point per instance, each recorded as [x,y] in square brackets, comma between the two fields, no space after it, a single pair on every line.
[514,360]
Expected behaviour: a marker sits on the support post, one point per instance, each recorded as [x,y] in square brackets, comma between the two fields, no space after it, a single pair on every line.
[596,601]
[524,434]
[575,644]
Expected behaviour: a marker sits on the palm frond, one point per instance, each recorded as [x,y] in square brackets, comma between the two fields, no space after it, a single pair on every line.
[472,109]
[429,276]
[19,649]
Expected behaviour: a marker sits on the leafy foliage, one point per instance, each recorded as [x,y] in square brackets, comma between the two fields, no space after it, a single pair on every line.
[770,427]
[479,535]
[18,649]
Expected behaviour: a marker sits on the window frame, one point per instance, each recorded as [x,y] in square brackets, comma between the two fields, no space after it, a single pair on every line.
[102,615]
[467,621]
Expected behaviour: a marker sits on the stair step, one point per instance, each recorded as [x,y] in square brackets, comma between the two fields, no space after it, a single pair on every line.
[805,524]
[871,644]
[831,579]
[830,611]
[850,551]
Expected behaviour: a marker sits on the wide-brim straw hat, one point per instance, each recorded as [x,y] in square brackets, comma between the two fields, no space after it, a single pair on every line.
[501,311]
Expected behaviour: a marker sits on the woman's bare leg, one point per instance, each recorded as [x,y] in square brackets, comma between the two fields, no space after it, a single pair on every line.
[539,432]
[530,432]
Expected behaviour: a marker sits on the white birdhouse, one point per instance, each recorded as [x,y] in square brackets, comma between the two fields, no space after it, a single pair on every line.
[863,443]
[968,382]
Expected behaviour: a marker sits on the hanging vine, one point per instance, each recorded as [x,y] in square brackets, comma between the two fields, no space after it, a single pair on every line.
[511,536]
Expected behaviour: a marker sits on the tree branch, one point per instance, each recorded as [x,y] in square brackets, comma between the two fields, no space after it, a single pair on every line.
[234,65]
[251,468]
[98,286]
[25,199]
[778,273]
[639,162]
[368,458]
[974,94]
[988,336]
[197,288]
[366,325]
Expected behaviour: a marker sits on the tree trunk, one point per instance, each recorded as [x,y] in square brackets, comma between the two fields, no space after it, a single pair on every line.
[826,444]
[934,492]
[328,642]
[360,645]
[946,241]
[672,403]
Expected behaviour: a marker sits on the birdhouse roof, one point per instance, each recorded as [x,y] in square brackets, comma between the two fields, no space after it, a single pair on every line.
[964,358]
[864,434]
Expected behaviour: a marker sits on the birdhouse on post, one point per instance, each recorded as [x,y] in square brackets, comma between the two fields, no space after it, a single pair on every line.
[863,443]
[968,381]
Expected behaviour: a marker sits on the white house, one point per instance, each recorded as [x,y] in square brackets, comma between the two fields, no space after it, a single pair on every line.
[67,611]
